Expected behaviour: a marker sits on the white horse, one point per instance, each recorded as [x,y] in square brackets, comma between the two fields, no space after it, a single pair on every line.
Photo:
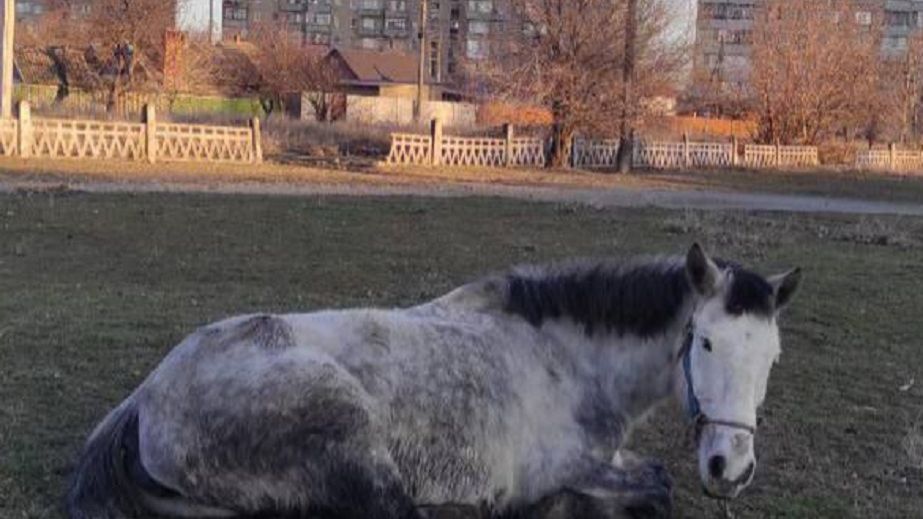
[509,396]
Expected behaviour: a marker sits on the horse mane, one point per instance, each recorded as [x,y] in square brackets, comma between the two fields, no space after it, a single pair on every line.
[638,297]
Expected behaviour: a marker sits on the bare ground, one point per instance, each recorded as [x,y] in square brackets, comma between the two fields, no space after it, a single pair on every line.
[787,191]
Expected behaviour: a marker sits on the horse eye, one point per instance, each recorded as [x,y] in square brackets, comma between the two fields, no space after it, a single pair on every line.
[706,344]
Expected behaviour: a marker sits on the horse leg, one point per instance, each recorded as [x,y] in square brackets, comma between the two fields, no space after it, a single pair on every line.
[609,492]
[452,512]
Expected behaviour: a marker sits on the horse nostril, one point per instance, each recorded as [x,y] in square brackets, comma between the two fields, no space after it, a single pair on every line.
[716,466]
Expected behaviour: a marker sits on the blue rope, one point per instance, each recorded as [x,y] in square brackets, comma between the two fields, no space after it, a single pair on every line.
[692,402]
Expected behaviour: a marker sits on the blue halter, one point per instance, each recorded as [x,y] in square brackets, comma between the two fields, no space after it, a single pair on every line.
[693,408]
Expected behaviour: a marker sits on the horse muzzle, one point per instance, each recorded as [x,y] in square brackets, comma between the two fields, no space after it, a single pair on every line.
[718,486]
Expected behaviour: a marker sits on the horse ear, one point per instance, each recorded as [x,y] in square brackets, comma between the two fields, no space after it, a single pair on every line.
[701,270]
[784,286]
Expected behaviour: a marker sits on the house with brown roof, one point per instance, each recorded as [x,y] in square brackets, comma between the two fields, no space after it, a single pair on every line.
[383,73]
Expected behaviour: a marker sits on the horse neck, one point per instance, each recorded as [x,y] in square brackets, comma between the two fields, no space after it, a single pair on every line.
[633,373]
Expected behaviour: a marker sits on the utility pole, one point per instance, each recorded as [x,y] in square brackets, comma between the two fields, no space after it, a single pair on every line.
[211,21]
[628,77]
[421,71]
[6,68]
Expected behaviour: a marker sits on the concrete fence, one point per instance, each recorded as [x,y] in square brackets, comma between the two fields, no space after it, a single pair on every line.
[891,159]
[149,141]
[437,149]
[775,156]
[687,154]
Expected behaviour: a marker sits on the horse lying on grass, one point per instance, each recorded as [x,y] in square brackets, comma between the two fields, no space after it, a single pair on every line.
[510,396]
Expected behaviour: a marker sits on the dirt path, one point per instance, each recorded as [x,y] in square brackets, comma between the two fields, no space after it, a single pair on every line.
[603,197]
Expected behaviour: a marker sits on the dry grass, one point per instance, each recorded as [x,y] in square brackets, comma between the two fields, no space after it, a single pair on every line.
[327,139]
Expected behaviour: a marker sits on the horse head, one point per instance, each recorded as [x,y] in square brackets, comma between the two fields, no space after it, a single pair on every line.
[731,345]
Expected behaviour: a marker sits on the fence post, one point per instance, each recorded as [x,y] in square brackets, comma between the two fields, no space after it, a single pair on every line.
[778,154]
[508,135]
[892,156]
[436,135]
[150,132]
[256,139]
[25,136]
[734,157]
[685,150]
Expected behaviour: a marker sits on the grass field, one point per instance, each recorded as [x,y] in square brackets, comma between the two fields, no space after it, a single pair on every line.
[95,289]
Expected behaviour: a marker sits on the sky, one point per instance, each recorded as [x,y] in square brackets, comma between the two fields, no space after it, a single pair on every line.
[193,15]
[683,14]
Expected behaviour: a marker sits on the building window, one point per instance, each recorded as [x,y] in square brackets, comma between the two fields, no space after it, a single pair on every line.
[370,4]
[729,37]
[480,6]
[864,18]
[476,49]
[478,27]
[370,24]
[434,60]
[397,5]
[722,11]
[322,19]
[369,43]
[897,44]
[396,24]
[236,13]
[899,18]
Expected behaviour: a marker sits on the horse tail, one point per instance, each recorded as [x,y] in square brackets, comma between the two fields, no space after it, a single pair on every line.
[101,487]
[110,481]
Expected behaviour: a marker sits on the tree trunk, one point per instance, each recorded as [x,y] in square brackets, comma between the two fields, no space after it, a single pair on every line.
[628,76]
[321,105]
[562,141]
[268,105]
[112,100]
[61,71]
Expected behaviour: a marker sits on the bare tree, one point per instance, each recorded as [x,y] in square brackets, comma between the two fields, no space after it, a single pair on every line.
[815,69]
[902,89]
[288,67]
[113,47]
[573,57]
[130,35]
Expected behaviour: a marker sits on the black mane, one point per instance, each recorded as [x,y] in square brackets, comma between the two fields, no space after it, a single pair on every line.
[642,299]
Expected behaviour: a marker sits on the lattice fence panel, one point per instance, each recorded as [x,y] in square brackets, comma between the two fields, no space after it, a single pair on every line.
[57,138]
[659,155]
[465,151]
[795,156]
[759,156]
[595,153]
[711,154]
[408,148]
[191,142]
[8,128]
[528,152]
[905,160]
[873,159]
[769,156]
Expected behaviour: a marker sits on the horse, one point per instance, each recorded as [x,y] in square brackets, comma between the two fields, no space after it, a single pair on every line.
[506,397]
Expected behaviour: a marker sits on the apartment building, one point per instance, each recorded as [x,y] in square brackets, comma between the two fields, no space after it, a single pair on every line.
[723,29]
[456,29]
